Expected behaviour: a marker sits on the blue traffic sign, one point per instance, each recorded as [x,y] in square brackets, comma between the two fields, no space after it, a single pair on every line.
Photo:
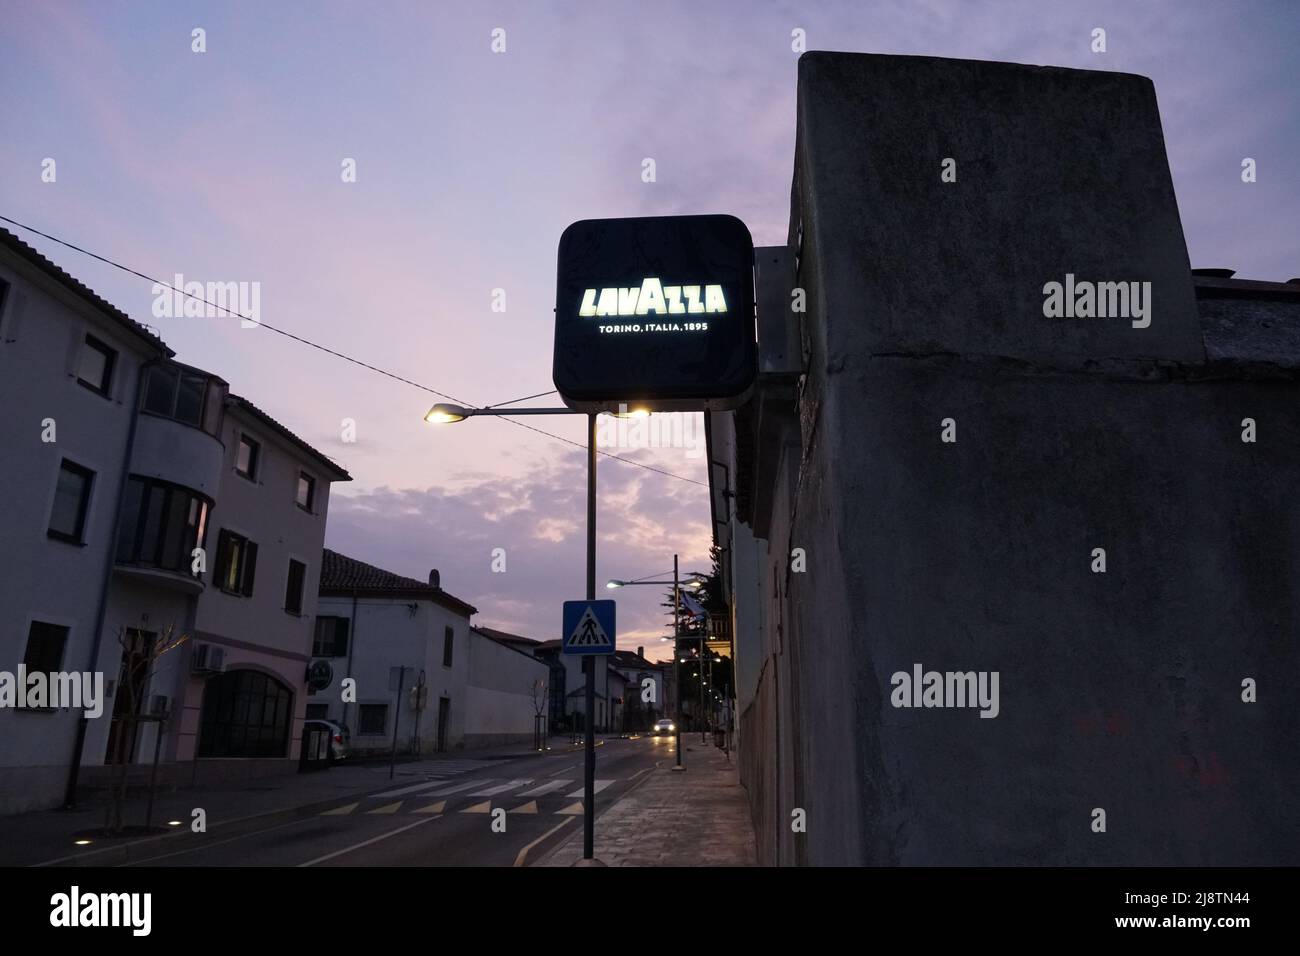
[588,627]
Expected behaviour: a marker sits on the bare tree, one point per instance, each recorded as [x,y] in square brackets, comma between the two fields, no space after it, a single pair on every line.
[141,652]
[539,710]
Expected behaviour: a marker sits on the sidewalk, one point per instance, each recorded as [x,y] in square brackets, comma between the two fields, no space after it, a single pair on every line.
[699,817]
[42,836]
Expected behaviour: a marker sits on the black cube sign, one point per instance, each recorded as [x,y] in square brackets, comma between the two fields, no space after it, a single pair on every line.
[655,312]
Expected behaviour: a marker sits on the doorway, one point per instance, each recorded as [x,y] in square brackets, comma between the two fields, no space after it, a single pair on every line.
[444,716]
[128,698]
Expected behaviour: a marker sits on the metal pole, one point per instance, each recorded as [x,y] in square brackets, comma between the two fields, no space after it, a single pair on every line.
[153,773]
[699,667]
[589,661]
[677,667]
[397,716]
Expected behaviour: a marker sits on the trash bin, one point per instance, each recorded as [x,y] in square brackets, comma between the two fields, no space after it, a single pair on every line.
[720,739]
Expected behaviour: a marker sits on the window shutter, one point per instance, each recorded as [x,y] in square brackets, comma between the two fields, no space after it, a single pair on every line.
[250,568]
[223,557]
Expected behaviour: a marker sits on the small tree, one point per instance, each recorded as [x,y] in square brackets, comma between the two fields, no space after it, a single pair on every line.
[539,710]
[141,652]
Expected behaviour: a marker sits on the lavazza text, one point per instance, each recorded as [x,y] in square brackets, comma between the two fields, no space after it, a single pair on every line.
[652,297]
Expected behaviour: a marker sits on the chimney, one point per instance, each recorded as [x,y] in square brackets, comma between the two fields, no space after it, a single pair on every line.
[640,652]
[435,581]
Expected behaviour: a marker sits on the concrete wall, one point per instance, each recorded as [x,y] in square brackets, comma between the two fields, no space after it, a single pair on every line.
[1118,690]
[499,705]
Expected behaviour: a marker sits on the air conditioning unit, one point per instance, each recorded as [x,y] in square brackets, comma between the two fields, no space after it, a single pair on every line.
[208,659]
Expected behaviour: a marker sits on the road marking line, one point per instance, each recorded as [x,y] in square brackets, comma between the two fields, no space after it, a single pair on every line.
[446,791]
[339,811]
[600,785]
[547,788]
[529,807]
[358,846]
[562,770]
[388,808]
[523,854]
[500,788]
[432,808]
[206,846]
[484,807]
[571,810]
[639,772]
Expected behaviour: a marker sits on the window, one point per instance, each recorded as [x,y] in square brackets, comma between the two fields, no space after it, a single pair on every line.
[71,500]
[45,643]
[306,490]
[293,587]
[331,637]
[236,563]
[184,394]
[373,718]
[448,638]
[245,714]
[161,524]
[246,457]
[96,368]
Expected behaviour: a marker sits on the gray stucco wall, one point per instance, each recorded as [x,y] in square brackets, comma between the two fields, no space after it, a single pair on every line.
[1118,690]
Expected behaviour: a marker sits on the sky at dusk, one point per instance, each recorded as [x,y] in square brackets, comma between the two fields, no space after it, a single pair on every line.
[225,166]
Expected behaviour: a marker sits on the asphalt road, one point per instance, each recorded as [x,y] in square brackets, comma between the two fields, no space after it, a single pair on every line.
[440,817]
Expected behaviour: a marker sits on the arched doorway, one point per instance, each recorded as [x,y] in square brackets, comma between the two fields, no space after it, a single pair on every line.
[245,714]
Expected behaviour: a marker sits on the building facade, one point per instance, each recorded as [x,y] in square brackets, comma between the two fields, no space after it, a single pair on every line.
[460,688]
[169,535]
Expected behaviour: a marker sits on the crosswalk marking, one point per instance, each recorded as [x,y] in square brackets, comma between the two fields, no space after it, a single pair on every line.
[389,808]
[600,785]
[500,788]
[547,788]
[445,791]
[529,807]
[432,808]
[484,807]
[571,810]
[339,811]
[437,768]
[423,785]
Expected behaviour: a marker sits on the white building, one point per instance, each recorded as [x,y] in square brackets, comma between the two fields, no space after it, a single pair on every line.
[460,689]
[124,472]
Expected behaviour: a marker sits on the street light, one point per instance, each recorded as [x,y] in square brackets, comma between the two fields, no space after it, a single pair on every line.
[446,413]
[694,584]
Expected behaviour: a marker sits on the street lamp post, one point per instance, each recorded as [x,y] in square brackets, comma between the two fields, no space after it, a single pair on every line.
[677,662]
[445,414]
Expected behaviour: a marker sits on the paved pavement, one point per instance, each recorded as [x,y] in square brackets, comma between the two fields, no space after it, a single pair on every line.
[698,817]
[437,812]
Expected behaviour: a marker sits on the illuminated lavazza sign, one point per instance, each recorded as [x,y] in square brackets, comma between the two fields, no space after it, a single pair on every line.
[655,313]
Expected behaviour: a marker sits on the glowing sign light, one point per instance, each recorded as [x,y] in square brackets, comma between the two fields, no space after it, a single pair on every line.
[657,312]
[652,296]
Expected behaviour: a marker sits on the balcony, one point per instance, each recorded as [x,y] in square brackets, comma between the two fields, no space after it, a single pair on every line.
[177,433]
[161,525]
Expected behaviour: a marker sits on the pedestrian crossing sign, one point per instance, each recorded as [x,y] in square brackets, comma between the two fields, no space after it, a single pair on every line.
[588,627]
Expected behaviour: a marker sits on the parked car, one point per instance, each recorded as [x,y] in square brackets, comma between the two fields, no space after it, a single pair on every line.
[339,737]
[664,727]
